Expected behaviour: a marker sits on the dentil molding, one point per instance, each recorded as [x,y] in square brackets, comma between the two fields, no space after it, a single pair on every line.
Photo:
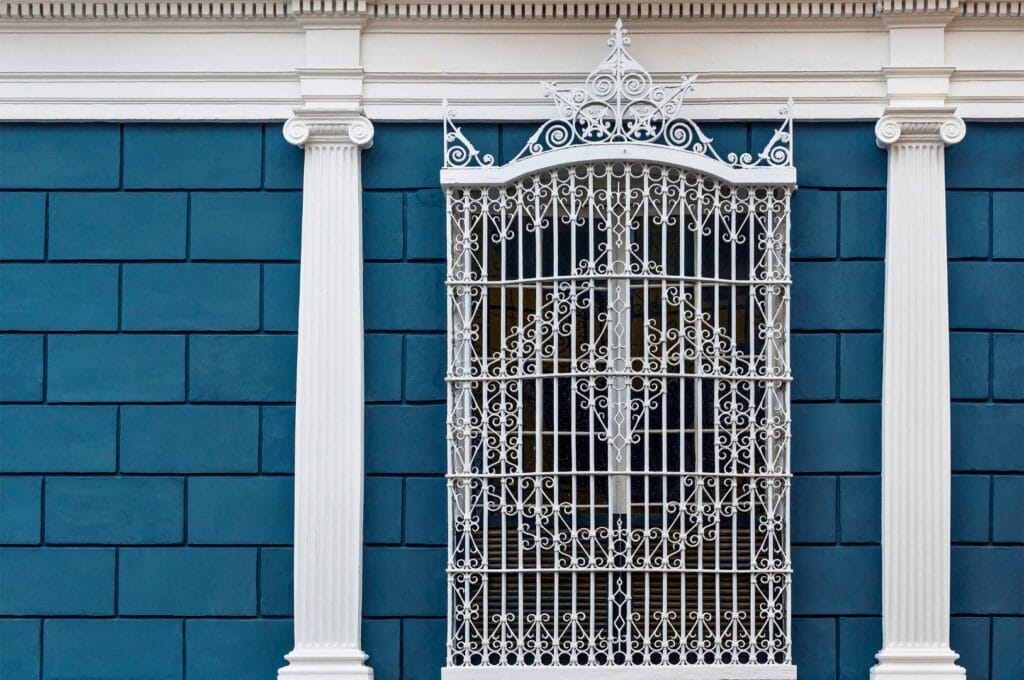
[262,10]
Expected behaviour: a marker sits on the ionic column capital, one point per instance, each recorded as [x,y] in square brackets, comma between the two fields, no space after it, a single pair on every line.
[940,125]
[325,126]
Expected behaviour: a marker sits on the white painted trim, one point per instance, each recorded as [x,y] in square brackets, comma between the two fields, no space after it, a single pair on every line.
[916,464]
[329,402]
[127,97]
[661,155]
[708,672]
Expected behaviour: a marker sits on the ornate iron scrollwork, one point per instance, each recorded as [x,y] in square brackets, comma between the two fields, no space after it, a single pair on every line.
[618,394]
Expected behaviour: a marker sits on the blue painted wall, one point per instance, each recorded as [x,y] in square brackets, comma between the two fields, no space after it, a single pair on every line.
[985,176]
[147,354]
[148,306]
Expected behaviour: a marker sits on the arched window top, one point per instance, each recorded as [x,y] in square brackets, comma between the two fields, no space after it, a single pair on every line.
[620,113]
[615,152]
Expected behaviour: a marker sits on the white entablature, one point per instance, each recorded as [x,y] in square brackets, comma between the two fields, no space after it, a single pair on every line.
[258,60]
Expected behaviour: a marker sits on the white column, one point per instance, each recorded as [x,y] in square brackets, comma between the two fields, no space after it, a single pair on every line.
[329,401]
[915,399]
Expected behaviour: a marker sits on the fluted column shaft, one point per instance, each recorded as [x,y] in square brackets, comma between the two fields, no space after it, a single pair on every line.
[329,402]
[915,400]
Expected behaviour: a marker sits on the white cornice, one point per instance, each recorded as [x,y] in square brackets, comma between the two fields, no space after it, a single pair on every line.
[255,60]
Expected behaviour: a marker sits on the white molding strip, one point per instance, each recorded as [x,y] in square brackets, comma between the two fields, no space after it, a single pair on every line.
[329,402]
[273,95]
[915,400]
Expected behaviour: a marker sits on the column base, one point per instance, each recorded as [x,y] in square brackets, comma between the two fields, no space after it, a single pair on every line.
[916,664]
[325,664]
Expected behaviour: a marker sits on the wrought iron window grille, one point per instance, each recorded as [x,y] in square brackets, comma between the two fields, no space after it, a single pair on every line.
[618,393]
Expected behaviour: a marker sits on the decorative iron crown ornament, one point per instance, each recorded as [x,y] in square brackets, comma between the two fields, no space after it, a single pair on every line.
[619,102]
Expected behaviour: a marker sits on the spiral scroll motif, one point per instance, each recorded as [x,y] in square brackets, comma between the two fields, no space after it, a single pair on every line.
[619,102]
[919,126]
[328,128]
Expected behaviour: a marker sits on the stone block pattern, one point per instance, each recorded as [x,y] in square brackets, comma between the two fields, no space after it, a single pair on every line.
[985,221]
[837,360]
[838,250]
[148,305]
[191,418]
[404,306]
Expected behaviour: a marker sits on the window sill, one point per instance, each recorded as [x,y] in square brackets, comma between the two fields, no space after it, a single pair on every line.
[751,672]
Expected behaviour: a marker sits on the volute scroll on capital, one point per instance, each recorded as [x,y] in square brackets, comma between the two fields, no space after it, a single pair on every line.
[919,125]
[328,128]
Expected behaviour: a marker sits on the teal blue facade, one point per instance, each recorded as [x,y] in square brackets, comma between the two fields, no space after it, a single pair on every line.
[148,300]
